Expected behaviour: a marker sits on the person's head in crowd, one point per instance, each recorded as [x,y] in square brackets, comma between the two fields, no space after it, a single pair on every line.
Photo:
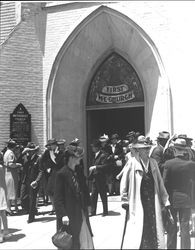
[114,138]
[163,137]
[73,155]
[132,136]
[51,144]
[30,149]
[75,142]
[11,144]
[61,143]
[95,146]
[142,146]
[18,151]
[104,140]
[180,146]
[186,138]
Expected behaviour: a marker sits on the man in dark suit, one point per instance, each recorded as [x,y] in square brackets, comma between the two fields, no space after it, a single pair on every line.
[158,151]
[177,176]
[97,174]
[115,150]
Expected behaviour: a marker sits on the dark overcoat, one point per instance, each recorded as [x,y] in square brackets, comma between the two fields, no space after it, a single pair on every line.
[69,202]
[177,176]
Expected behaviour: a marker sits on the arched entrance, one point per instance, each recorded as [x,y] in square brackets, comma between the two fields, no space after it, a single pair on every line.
[90,44]
[115,100]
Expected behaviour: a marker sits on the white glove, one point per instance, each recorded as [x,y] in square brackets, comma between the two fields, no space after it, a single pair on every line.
[65,220]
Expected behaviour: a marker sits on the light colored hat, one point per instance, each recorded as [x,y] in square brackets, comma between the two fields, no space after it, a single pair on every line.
[31,146]
[104,138]
[142,142]
[180,143]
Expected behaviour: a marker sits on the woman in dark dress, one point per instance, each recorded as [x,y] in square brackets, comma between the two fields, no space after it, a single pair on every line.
[144,196]
[71,199]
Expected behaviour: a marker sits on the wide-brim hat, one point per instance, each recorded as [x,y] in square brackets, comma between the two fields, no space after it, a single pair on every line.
[61,141]
[142,142]
[184,136]
[31,146]
[164,135]
[11,143]
[180,143]
[77,152]
[51,142]
[104,138]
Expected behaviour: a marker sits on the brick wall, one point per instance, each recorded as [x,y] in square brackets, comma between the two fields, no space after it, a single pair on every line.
[21,78]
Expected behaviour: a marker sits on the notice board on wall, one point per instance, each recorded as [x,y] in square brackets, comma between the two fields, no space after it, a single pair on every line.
[20,125]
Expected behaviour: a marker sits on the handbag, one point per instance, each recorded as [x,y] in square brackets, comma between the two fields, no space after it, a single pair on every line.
[62,239]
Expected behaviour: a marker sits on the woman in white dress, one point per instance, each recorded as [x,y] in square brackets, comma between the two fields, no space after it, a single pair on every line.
[3,202]
[11,173]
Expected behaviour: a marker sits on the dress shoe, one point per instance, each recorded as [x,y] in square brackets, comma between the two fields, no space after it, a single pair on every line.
[105,214]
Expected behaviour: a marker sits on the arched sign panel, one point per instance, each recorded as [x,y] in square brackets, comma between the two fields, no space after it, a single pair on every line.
[115,82]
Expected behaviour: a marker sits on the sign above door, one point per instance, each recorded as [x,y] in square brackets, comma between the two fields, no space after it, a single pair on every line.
[115,82]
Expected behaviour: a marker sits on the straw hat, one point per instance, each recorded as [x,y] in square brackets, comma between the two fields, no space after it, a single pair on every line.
[180,143]
[142,142]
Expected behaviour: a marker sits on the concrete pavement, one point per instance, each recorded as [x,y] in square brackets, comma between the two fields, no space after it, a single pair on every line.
[37,235]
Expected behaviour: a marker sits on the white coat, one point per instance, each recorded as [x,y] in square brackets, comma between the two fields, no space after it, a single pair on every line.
[130,192]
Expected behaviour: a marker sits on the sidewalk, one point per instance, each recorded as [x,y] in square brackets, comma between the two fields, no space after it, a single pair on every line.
[37,235]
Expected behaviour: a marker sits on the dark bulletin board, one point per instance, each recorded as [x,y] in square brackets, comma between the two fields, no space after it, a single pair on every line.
[20,125]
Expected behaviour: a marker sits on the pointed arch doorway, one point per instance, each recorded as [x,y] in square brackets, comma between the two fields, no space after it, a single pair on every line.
[115,100]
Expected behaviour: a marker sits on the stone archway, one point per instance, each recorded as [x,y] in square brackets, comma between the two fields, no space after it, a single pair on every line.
[103,31]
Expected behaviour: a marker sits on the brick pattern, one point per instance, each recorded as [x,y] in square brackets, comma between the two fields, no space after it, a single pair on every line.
[21,79]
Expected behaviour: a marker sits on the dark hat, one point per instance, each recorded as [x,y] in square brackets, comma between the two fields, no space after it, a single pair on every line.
[96,144]
[131,134]
[114,136]
[142,142]
[75,151]
[51,142]
[11,143]
[75,142]
[184,136]
[164,135]
[180,143]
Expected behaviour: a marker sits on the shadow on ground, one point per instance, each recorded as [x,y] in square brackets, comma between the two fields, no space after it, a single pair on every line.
[45,219]
[113,213]
[15,237]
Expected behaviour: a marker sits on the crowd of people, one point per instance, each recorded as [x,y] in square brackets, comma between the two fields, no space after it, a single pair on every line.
[155,181]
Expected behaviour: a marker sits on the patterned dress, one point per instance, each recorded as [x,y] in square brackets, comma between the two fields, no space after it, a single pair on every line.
[149,236]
